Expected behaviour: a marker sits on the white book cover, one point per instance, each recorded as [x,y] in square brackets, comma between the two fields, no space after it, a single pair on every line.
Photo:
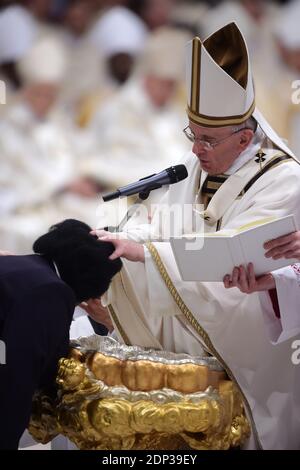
[210,256]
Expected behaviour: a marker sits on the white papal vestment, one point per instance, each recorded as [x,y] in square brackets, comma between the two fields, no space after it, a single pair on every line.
[287,326]
[152,306]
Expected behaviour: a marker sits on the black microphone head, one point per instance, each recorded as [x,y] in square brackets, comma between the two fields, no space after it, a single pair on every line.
[177,173]
[110,196]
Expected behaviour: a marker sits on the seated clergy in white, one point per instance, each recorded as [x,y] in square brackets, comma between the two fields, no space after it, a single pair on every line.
[242,172]
[136,132]
[119,35]
[39,182]
[17,34]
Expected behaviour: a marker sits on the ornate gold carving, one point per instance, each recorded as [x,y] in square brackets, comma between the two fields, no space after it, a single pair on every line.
[146,375]
[96,415]
[118,324]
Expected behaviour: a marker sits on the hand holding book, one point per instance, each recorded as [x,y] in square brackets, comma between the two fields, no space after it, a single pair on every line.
[209,257]
[245,280]
[284,247]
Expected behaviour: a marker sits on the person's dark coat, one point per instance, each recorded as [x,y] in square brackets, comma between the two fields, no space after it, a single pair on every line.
[36,309]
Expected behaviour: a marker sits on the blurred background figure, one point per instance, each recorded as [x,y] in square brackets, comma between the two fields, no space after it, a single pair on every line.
[40,9]
[255,19]
[85,71]
[282,94]
[118,37]
[189,14]
[114,109]
[154,13]
[39,181]
[17,33]
[139,131]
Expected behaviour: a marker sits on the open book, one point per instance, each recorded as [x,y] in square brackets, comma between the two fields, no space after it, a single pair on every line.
[209,257]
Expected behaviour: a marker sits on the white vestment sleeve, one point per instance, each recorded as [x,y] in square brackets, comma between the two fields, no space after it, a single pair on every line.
[288,292]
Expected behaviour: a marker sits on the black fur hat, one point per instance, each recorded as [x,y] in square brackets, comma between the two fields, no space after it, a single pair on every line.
[82,261]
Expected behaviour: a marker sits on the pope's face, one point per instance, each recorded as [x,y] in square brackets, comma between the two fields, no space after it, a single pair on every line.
[227,145]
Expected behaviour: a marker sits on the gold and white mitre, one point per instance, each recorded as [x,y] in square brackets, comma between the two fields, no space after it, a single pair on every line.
[220,85]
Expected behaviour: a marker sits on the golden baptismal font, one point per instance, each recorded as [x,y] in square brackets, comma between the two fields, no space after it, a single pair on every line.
[112,396]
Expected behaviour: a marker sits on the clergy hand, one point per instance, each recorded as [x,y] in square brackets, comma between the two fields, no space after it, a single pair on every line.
[124,248]
[284,247]
[6,253]
[246,281]
[97,312]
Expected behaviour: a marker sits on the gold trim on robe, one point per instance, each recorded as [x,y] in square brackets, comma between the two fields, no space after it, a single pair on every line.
[118,325]
[199,330]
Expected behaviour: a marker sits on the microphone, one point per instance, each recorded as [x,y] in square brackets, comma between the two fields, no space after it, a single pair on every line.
[171,175]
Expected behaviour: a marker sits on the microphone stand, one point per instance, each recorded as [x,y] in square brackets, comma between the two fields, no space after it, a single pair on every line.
[169,176]
[130,213]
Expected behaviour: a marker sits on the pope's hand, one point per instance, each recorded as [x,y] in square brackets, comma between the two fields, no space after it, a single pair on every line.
[246,281]
[124,248]
[284,247]
[97,312]
[6,253]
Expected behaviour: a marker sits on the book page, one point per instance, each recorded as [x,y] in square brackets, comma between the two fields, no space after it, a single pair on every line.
[208,263]
[208,257]
[252,242]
